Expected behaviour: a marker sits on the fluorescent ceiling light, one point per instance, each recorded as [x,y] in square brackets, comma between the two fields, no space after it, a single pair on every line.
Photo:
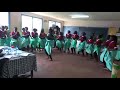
[79,16]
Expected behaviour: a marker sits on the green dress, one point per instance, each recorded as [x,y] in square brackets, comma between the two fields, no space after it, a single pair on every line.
[8,39]
[15,42]
[81,46]
[104,51]
[73,43]
[48,46]
[108,58]
[97,49]
[41,42]
[59,44]
[89,48]
[67,44]
[25,42]
[33,42]
[2,41]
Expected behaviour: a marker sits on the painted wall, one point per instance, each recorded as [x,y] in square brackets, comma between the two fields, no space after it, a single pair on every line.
[87,30]
[93,23]
[112,25]
[16,20]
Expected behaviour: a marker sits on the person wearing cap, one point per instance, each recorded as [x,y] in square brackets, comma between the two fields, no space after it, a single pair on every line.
[15,38]
[3,36]
[33,41]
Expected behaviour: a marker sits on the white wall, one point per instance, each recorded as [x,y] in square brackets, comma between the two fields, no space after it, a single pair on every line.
[93,23]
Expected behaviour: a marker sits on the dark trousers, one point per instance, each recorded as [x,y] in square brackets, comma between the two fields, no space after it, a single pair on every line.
[73,50]
[50,56]
[82,52]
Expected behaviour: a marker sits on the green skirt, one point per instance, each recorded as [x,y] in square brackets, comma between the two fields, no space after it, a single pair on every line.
[14,42]
[48,46]
[25,42]
[108,58]
[104,51]
[2,42]
[73,43]
[41,42]
[81,46]
[67,44]
[33,42]
[59,44]
[117,57]
[97,49]
[8,40]
[89,48]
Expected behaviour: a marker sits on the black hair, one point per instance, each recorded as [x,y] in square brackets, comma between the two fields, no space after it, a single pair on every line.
[114,38]
[75,32]
[69,31]
[108,37]
[26,28]
[91,37]
[23,28]
[50,30]
[15,28]
[61,33]
[42,30]
[83,33]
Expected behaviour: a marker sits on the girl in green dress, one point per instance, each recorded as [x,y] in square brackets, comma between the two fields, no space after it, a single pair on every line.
[42,40]
[48,44]
[82,44]
[8,38]
[75,37]
[90,46]
[27,36]
[3,36]
[60,41]
[97,48]
[67,42]
[104,51]
[34,39]
[15,40]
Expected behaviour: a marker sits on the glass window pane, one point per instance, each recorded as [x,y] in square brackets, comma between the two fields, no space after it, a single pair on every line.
[51,23]
[4,17]
[58,24]
[37,23]
[27,22]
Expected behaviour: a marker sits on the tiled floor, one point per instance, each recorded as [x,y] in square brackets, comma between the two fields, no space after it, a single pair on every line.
[69,66]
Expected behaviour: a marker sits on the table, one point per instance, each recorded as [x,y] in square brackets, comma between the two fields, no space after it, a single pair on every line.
[17,65]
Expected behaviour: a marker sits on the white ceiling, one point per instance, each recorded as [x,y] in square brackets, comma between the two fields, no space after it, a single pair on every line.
[65,16]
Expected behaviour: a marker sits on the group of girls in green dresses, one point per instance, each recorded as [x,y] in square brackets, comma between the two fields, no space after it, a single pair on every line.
[97,47]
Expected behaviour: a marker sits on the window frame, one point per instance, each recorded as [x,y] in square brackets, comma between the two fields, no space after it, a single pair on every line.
[55,23]
[32,19]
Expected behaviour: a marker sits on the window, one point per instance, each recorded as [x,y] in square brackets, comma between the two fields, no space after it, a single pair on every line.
[31,22]
[27,22]
[58,24]
[4,19]
[51,23]
[37,23]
